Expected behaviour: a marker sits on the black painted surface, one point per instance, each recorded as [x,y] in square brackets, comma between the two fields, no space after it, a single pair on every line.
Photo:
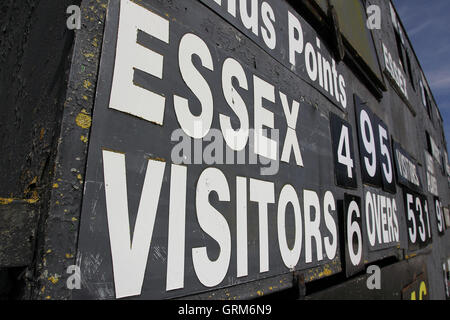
[110,133]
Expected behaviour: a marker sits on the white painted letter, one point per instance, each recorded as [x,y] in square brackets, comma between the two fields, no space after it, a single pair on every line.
[129,258]
[191,45]
[211,273]
[125,95]
[263,192]
[310,199]
[290,257]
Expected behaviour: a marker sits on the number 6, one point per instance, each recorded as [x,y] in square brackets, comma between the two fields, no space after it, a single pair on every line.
[352,229]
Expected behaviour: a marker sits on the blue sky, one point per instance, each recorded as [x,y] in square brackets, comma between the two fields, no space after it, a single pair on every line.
[427,24]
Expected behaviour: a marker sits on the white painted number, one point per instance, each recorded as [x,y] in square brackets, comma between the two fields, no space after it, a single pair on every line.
[369,144]
[343,152]
[387,167]
[422,223]
[411,231]
[427,215]
[353,228]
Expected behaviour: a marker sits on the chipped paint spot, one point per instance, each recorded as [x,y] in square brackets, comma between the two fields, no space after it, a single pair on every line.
[41,134]
[410,256]
[83,119]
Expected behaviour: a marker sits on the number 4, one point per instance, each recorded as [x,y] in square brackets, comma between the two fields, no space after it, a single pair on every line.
[343,152]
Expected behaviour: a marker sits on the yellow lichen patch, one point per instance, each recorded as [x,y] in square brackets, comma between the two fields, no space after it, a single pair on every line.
[74,219]
[48,297]
[83,119]
[259,293]
[41,134]
[327,272]
[69,255]
[79,177]
[88,55]
[34,181]
[84,139]
[6,200]
[55,186]
[34,199]
[86,84]
[53,279]
[43,289]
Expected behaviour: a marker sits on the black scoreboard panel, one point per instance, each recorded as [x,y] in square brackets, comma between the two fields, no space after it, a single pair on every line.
[343,151]
[225,151]
[405,280]
[165,220]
